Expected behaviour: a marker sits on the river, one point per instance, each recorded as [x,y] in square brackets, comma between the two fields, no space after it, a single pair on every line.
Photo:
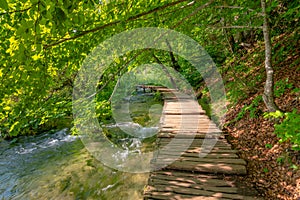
[56,165]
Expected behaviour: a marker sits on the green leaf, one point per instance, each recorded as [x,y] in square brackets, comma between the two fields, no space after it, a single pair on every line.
[266,170]
[295,167]
[269,146]
[3,4]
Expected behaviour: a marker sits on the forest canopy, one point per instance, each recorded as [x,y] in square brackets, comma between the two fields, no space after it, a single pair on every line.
[43,45]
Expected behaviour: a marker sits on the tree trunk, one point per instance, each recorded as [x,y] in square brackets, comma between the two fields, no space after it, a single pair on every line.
[268,95]
[164,68]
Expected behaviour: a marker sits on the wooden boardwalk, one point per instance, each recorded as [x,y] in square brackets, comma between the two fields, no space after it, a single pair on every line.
[194,160]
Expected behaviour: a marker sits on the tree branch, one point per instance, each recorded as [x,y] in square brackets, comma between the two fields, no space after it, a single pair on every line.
[164,68]
[119,70]
[239,7]
[193,13]
[251,27]
[175,64]
[22,10]
[171,12]
[145,49]
[235,7]
[114,23]
[66,83]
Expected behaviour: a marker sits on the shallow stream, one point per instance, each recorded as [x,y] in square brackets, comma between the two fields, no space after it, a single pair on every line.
[56,165]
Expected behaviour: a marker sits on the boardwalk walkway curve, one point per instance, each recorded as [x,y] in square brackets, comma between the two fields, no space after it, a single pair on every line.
[180,172]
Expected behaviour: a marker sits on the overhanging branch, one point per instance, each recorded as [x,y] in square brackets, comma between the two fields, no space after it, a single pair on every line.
[251,27]
[239,7]
[235,7]
[114,23]
[146,49]
[193,13]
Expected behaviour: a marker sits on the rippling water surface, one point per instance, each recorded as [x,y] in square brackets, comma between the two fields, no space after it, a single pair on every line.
[57,166]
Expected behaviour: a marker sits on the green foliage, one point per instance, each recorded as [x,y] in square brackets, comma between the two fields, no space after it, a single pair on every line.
[204,101]
[254,105]
[269,146]
[281,86]
[252,109]
[3,5]
[103,110]
[280,159]
[158,97]
[295,167]
[296,90]
[285,16]
[288,129]
[44,42]
[286,159]
[241,114]
[276,114]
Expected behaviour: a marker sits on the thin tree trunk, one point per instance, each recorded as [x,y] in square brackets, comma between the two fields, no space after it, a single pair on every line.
[164,68]
[175,64]
[268,95]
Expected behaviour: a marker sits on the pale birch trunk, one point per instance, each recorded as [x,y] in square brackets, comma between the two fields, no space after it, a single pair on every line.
[268,95]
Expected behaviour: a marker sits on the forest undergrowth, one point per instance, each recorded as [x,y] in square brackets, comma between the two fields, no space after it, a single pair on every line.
[269,142]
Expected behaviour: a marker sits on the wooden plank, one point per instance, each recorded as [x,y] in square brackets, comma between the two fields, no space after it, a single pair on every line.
[183,113]
[197,129]
[191,192]
[216,168]
[214,150]
[183,130]
[185,198]
[157,195]
[181,108]
[210,155]
[166,158]
[178,117]
[204,145]
[194,142]
[183,121]
[189,127]
[184,126]
[189,135]
[172,196]
[192,119]
[188,175]
[169,149]
[187,148]
[201,180]
[197,121]
[178,109]
[204,117]
[206,187]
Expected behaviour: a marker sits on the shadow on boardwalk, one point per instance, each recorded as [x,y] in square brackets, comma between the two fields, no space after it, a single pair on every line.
[194,160]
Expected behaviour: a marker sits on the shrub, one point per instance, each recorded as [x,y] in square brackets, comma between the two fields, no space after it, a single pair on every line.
[289,128]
